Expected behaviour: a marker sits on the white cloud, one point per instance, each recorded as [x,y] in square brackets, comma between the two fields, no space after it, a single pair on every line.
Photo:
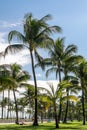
[5,24]
[38,75]
[40,83]
[43,83]
[21,57]
[2,39]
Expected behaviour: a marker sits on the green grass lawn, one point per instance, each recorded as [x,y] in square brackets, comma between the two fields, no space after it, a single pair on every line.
[45,126]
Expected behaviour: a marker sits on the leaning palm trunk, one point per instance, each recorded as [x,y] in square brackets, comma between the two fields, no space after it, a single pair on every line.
[35,83]
[16,108]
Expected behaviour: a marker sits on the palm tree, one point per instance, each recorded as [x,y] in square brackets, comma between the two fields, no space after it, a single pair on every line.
[12,78]
[79,109]
[19,76]
[67,63]
[8,103]
[71,89]
[53,94]
[80,71]
[29,96]
[36,35]
[60,57]
[3,83]
[54,61]
[21,105]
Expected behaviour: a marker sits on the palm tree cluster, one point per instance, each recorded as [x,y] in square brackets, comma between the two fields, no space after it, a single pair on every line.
[69,68]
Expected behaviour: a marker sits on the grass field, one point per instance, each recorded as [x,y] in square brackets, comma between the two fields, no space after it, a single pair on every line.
[45,126]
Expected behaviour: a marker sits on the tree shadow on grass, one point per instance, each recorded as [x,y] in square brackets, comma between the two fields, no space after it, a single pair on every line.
[26,127]
[72,126]
[68,126]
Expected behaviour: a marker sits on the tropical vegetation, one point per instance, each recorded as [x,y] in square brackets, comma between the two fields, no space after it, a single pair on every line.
[62,103]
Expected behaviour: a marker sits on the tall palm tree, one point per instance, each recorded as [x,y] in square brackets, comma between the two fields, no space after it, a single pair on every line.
[55,52]
[71,89]
[36,35]
[60,57]
[80,71]
[67,63]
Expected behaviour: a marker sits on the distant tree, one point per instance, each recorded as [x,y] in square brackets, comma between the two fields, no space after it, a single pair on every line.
[11,78]
[29,96]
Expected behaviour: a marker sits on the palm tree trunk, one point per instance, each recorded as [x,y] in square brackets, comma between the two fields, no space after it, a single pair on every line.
[67,105]
[56,117]
[83,108]
[2,104]
[60,105]
[8,104]
[16,108]
[35,123]
[60,110]
[83,101]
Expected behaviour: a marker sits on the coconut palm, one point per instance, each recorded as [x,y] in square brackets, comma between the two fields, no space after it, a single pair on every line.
[68,62]
[36,35]
[80,71]
[21,105]
[29,96]
[79,109]
[53,94]
[61,59]
[19,76]
[11,78]
[72,89]
[54,61]
[3,83]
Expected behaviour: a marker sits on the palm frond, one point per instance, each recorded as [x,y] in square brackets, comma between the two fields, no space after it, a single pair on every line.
[45,90]
[27,85]
[64,84]
[40,61]
[51,70]
[46,18]
[28,16]
[70,49]
[13,48]
[52,29]
[15,34]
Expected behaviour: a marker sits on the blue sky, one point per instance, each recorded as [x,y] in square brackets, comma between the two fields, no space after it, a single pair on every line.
[70,15]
